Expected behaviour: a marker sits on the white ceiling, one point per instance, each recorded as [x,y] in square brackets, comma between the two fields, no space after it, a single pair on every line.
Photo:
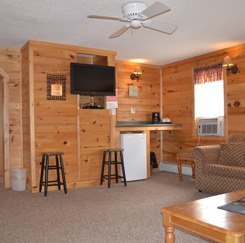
[203,26]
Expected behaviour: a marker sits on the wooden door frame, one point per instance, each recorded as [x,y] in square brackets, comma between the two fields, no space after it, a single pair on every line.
[4,78]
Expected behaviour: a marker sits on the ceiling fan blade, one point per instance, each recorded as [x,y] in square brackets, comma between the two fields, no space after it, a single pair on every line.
[103,17]
[160,26]
[155,9]
[119,32]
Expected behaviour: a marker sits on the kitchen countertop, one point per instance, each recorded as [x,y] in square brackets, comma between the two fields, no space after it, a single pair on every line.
[144,124]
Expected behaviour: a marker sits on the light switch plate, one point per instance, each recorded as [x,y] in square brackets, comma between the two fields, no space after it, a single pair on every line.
[132,110]
[133,90]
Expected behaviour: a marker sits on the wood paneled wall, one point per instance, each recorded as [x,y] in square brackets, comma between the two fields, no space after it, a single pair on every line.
[147,101]
[178,100]
[61,125]
[10,62]
[54,123]
[27,120]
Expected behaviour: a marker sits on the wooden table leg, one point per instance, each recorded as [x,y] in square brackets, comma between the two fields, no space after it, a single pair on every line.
[185,158]
[193,169]
[180,170]
[169,229]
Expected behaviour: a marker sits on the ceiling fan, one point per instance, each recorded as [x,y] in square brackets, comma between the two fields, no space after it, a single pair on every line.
[137,14]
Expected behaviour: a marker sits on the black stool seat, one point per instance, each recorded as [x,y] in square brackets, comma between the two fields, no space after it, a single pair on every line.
[109,161]
[58,166]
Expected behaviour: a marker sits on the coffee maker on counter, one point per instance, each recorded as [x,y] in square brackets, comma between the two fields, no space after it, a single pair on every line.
[156,117]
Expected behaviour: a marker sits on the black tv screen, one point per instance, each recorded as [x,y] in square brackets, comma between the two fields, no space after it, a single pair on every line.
[93,80]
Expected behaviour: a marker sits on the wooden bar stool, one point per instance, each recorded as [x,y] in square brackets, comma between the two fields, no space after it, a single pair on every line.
[185,158]
[108,160]
[59,167]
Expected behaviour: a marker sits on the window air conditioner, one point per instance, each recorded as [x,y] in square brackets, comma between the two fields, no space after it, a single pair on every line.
[211,126]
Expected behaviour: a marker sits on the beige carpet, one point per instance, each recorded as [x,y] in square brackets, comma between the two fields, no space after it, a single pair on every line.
[96,214]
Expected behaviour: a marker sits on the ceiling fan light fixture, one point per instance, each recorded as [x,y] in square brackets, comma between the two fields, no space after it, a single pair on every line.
[132,9]
[135,23]
[137,14]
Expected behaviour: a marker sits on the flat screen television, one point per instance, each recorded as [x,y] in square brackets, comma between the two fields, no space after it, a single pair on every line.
[92,80]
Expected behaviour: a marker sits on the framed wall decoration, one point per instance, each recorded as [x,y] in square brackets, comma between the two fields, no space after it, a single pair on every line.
[56,87]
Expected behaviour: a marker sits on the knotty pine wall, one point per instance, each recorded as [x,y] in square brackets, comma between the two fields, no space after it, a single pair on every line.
[178,100]
[59,125]
[10,62]
[147,101]
[48,122]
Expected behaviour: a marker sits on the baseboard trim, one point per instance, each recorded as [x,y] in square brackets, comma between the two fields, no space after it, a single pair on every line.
[173,168]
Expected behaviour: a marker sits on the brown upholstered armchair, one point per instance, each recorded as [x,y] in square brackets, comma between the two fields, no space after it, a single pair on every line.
[221,168]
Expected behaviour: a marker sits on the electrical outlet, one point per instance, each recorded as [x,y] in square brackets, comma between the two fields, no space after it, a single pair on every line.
[113,112]
[133,110]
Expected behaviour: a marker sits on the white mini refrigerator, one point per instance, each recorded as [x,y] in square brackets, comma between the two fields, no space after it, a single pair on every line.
[134,145]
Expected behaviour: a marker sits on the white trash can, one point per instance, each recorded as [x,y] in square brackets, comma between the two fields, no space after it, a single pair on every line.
[18,179]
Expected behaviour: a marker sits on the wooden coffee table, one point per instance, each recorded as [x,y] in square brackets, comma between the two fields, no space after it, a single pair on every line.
[202,217]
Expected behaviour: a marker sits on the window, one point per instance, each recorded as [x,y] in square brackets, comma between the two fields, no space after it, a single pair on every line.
[209,91]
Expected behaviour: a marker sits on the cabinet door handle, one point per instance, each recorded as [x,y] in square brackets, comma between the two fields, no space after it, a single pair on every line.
[65,142]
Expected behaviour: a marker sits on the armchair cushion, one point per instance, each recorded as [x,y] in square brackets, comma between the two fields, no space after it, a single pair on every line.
[236,138]
[225,171]
[232,154]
